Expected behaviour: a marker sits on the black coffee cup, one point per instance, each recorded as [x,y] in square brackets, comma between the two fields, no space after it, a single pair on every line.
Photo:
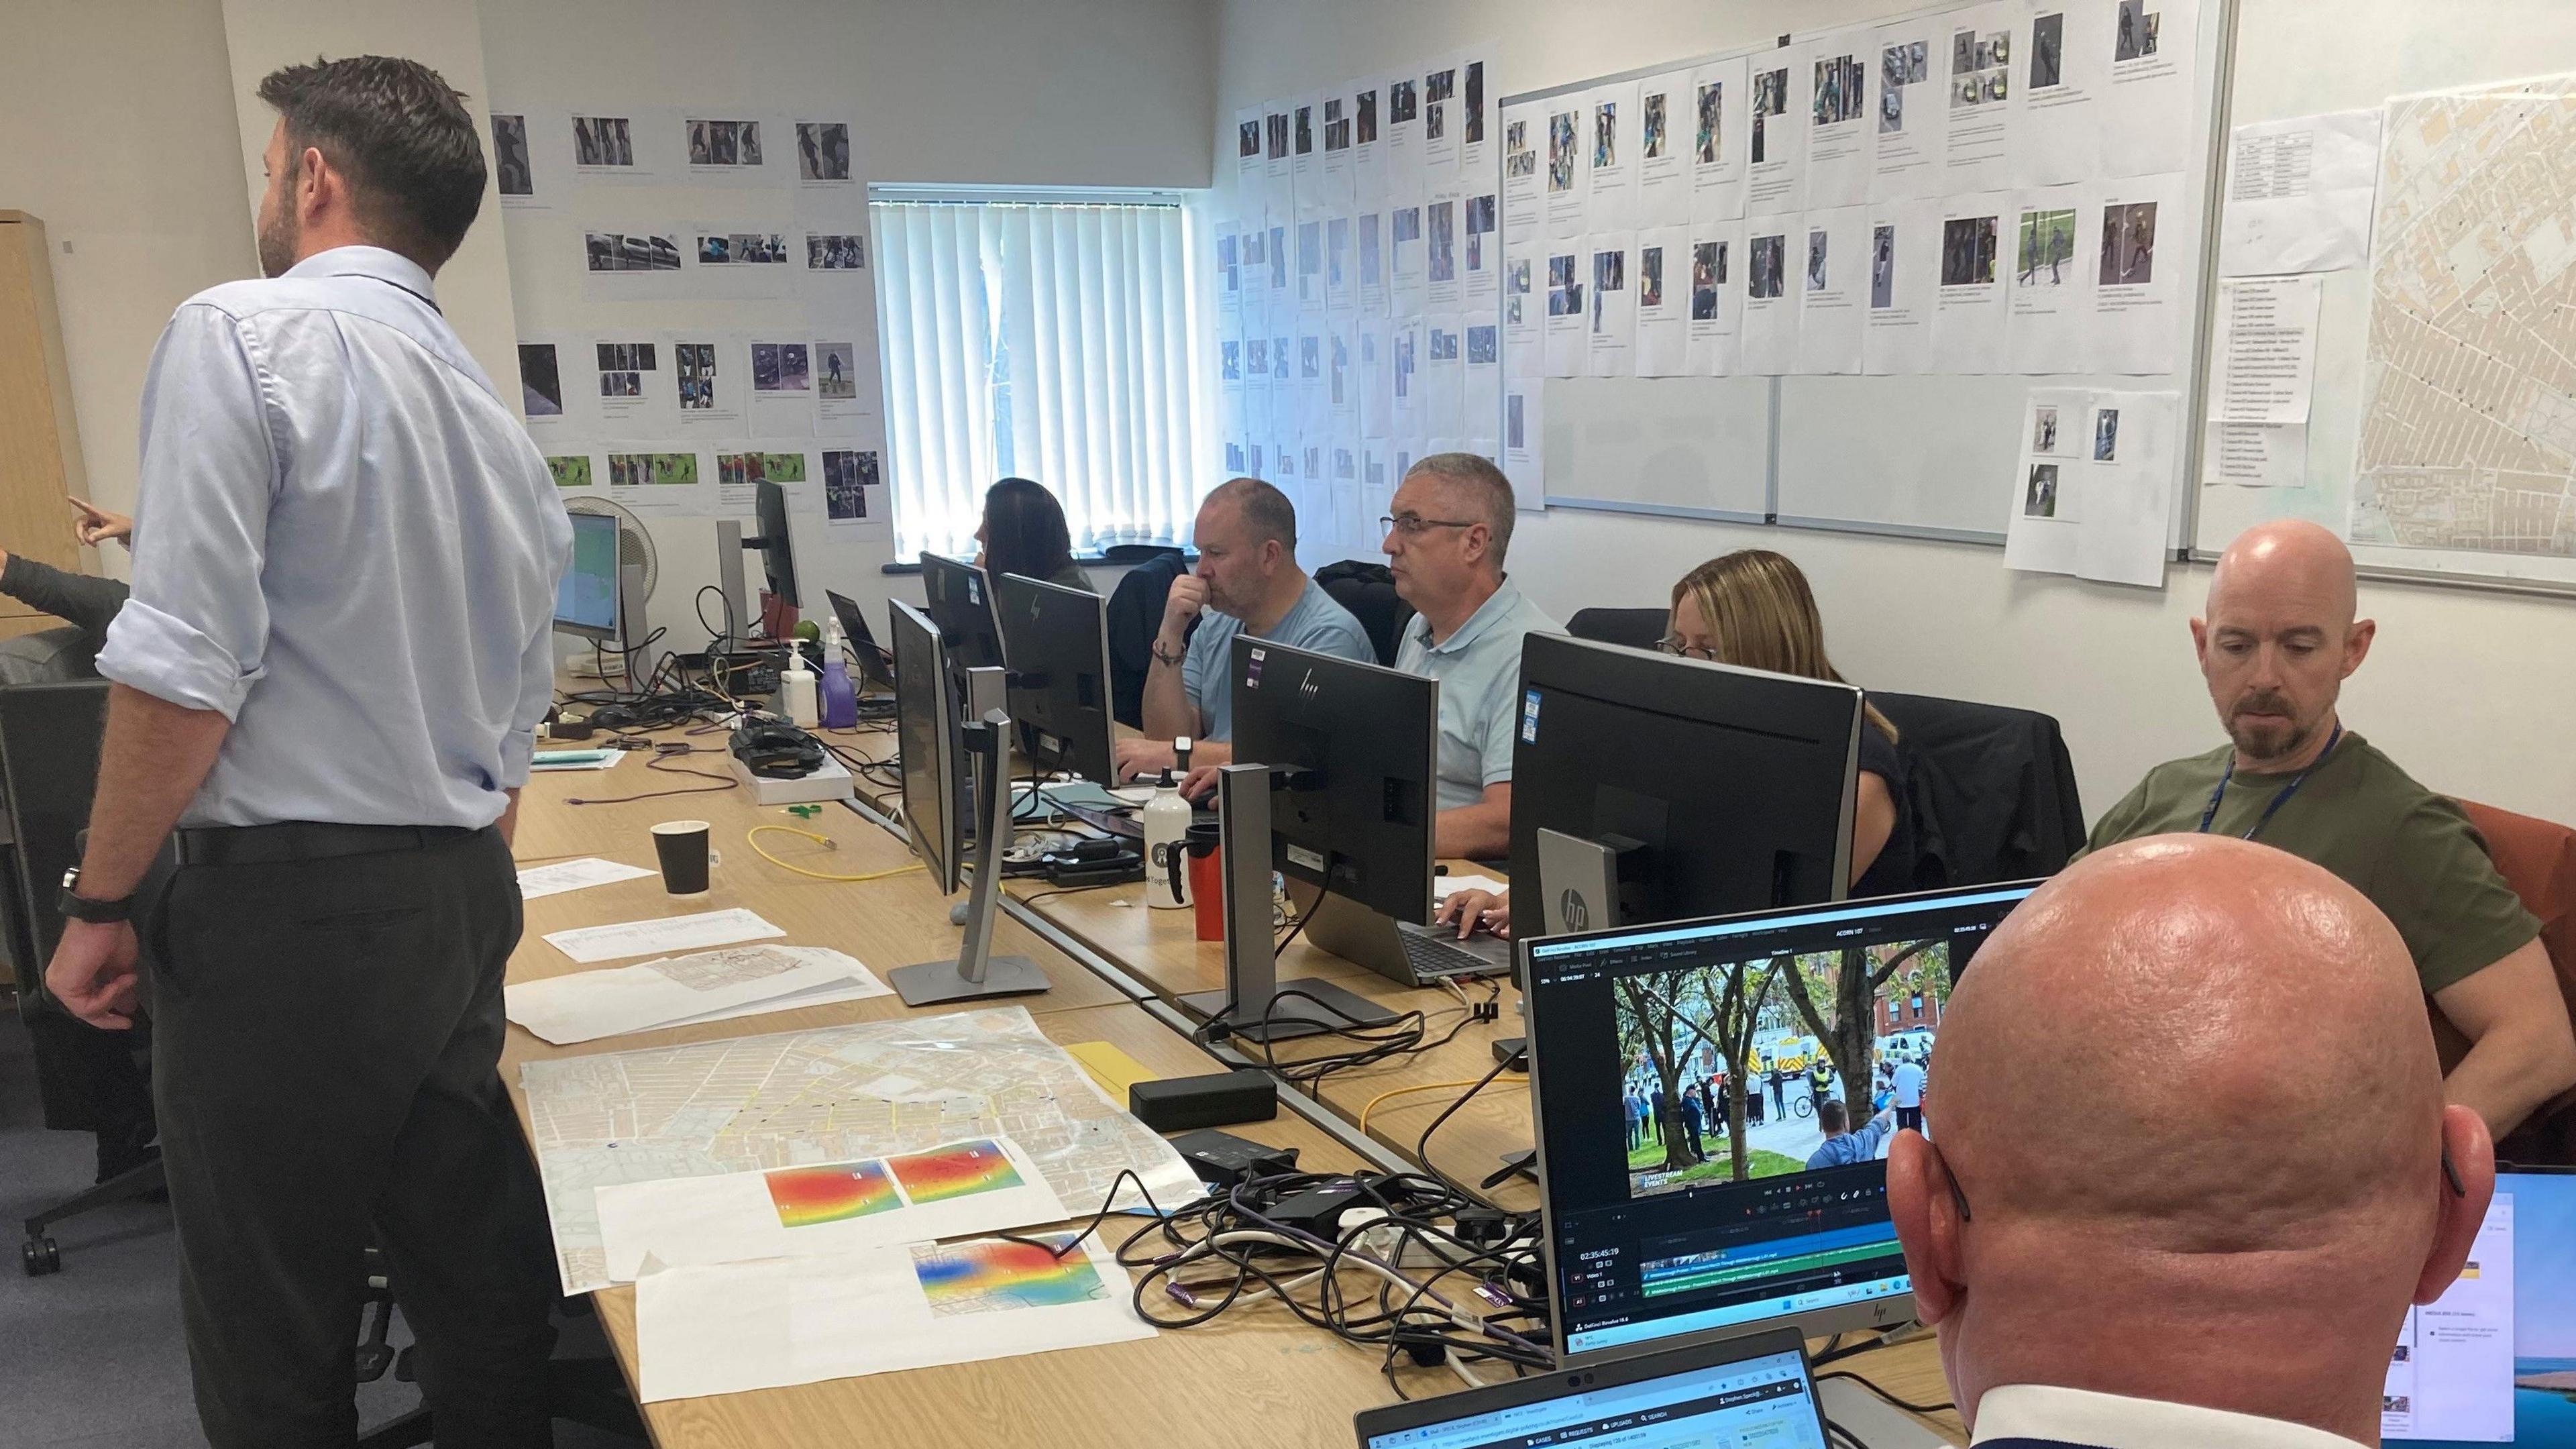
[682,845]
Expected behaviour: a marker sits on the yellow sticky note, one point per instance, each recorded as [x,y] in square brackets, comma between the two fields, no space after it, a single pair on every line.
[1113,1069]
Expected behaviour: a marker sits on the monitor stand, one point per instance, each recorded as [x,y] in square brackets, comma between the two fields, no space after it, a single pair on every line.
[1250,1006]
[1872,1420]
[976,974]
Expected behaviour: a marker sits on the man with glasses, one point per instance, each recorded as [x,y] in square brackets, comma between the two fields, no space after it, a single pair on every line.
[1445,541]
[2219,1244]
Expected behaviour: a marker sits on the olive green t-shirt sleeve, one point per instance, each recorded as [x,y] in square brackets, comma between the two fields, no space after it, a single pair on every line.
[2445,896]
[2120,822]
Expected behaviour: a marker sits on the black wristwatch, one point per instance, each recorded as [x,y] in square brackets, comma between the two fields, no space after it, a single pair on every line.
[79,907]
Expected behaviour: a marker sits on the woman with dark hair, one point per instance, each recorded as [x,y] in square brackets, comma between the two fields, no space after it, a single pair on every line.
[1023,533]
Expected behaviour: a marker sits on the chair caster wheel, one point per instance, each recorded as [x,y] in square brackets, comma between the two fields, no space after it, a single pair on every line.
[40,1257]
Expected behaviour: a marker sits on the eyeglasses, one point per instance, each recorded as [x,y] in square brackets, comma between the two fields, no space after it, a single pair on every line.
[1414,525]
[1672,645]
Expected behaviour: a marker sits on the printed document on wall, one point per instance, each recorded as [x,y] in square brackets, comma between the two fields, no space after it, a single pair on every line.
[1979,64]
[1443,376]
[1524,312]
[1477,106]
[1368,149]
[2144,254]
[1721,124]
[1716,296]
[1664,149]
[1776,174]
[2299,194]
[1610,343]
[1569,269]
[1842,122]
[1569,126]
[1610,157]
[1663,302]
[1913,110]
[1834,289]
[2130,463]
[2147,116]
[2046,531]
[2266,344]
[1524,441]
[2063,71]
[1772,287]
[1904,286]
[1482,411]
[1970,316]
[1440,122]
[2051,286]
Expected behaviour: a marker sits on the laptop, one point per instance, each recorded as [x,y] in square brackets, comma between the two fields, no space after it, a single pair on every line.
[1749,1390]
[2493,1360]
[874,668]
[1401,951]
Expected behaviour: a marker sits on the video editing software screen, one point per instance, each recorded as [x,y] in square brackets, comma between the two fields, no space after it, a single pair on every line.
[1767,1401]
[1714,1104]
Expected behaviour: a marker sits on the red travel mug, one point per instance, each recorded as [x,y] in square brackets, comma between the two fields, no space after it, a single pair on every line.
[1207,882]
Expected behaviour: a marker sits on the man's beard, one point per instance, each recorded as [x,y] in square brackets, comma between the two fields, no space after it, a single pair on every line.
[277,243]
[2265,727]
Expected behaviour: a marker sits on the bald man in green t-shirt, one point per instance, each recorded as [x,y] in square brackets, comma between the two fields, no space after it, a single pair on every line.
[2278,640]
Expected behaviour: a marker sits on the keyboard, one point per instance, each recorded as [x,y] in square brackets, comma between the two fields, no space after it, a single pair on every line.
[1432,953]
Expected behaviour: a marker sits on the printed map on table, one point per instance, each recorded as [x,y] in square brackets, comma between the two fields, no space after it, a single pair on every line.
[796,1098]
[2468,435]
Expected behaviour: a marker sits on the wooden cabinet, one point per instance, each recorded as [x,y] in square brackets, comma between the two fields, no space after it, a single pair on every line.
[40,455]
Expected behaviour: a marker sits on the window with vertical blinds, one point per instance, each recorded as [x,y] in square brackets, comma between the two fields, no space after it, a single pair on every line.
[1048,336]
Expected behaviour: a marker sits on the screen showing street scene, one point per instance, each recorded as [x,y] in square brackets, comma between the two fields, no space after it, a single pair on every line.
[1776,1064]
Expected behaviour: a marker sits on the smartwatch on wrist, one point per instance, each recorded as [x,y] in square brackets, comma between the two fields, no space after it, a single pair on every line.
[78,907]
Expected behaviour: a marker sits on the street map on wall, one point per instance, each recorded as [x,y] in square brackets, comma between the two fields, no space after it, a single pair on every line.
[2469,427]
[828,1096]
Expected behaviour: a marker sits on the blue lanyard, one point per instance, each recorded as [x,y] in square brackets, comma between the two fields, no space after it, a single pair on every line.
[2279,800]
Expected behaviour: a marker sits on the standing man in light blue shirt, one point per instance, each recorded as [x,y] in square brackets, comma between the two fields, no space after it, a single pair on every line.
[327,678]
[1445,543]
[1247,582]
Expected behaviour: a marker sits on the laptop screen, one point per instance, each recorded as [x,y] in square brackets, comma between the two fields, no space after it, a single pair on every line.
[2493,1360]
[1767,1401]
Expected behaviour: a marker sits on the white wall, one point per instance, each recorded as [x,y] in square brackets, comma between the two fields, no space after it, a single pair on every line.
[2472,693]
[1067,92]
[120,119]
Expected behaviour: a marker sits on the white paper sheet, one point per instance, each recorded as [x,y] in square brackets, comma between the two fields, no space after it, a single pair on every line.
[1368,145]
[727,1328]
[1664,134]
[658,937]
[1721,129]
[1569,276]
[1904,278]
[1524,173]
[1480,264]
[1716,296]
[1840,97]
[1443,887]
[1610,340]
[1912,114]
[1833,283]
[2050,293]
[1369,242]
[1476,111]
[1443,378]
[1403,131]
[1440,121]
[1481,410]
[980,1185]
[1569,142]
[1775,178]
[2299,194]
[2255,455]
[1610,157]
[538,881]
[587,1005]
[1408,256]
[2045,531]
[2147,113]
[1971,318]
[2140,255]
[1663,302]
[1981,93]
[1524,441]
[2266,343]
[1443,247]
[2063,70]
[1773,282]
[1524,311]
[2129,480]
[609,759]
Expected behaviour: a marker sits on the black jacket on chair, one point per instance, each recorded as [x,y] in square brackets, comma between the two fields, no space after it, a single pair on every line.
[1993,790]
[1135,616]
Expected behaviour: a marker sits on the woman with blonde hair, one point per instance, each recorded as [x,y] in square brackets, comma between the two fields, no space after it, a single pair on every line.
[1753,609]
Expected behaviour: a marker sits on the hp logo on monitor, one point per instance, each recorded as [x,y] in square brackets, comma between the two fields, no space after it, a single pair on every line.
[1308,687]
[1578,916]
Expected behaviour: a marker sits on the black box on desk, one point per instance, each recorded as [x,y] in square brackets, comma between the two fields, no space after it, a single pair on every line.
[1220,1099]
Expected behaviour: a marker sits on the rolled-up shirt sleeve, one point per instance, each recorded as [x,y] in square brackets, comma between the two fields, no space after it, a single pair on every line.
[195,631]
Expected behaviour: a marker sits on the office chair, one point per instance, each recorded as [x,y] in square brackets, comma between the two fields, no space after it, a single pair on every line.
[586,1391]
[1992,790]
[1636,628]
[2538,859]
[1368,591]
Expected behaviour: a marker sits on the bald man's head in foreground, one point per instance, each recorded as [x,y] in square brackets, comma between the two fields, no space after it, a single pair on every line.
[2190,1139]
[2278,638]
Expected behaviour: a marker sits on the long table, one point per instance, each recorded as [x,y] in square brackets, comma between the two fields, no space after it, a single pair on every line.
[1115,968]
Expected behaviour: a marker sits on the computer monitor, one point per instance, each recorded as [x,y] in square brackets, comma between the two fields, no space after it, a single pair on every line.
[959,602]
[1651,1235]
[1699,788]
[586,599]
[1749,1390]
[777,549]
[2493,1360]
[1060,695]
[873,666]
[1353,750]
[925,726]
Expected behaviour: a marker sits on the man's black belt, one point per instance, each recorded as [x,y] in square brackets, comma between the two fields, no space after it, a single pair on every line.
[296,840]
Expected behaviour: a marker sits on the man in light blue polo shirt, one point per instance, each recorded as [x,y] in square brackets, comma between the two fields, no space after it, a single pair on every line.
[1247,582]
[1445,540]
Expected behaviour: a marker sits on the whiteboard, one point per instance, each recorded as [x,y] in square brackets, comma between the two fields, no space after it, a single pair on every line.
[2394,47]
[1931,456]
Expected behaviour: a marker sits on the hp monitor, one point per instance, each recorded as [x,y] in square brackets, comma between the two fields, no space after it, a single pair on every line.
[1671,1214]
[959,602]
[925,725]
[1060,693]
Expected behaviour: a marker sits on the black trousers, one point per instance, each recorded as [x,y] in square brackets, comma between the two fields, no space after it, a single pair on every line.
[328,1034]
